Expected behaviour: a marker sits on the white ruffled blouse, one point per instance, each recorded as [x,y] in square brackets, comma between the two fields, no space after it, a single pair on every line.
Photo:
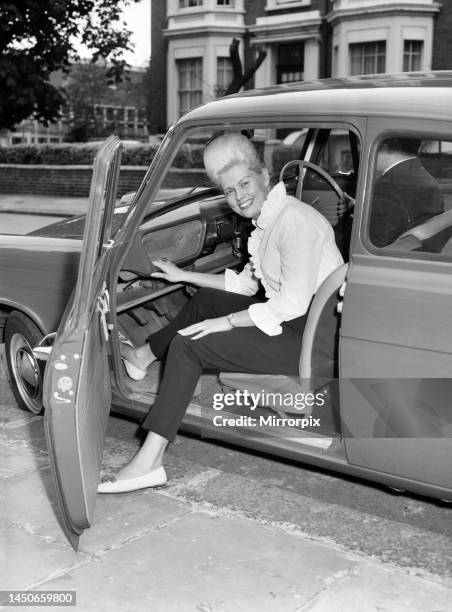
[292,250]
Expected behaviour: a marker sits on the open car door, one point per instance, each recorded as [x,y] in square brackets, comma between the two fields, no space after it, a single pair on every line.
[77,380]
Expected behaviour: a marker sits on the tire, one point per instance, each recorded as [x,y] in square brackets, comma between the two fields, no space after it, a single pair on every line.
[24,371]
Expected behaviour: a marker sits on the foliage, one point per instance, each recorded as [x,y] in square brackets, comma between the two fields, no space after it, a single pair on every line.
[37,38]
[66,154]
[190,155]
[86,87]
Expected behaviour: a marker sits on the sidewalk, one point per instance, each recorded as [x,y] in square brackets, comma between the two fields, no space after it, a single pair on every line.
[42,205]
[159,551]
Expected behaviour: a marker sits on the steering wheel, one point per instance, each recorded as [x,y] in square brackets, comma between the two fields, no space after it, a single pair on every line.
[306,164]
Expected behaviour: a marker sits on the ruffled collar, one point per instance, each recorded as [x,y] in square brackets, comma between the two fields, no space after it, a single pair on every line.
[272,206]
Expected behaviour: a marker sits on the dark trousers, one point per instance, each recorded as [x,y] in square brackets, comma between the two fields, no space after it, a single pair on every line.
[242,349]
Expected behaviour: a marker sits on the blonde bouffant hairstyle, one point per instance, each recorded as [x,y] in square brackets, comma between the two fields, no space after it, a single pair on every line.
[228,150]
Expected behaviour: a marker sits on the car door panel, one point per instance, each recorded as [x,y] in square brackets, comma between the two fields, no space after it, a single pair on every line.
[77,392]
[75,430]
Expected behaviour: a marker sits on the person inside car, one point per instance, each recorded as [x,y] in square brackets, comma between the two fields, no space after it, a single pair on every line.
[224,326]
[405,194]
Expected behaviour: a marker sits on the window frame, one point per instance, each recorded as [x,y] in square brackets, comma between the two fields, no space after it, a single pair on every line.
[197,91]
[409,56]
[189,4]
[377,55]
[224,71]
[387,251]
[284,65]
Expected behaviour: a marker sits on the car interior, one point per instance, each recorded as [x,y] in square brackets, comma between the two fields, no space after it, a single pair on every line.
[193,227]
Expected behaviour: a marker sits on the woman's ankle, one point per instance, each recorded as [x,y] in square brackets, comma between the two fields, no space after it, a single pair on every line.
[144,355]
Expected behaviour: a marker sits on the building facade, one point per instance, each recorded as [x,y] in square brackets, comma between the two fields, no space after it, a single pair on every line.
[303,39]
[373,36]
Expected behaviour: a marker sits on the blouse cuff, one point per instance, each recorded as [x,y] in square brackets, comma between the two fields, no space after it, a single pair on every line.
[263,318]
[239,283]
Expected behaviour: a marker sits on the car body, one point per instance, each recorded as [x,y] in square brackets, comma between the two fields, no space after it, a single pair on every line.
[385,377]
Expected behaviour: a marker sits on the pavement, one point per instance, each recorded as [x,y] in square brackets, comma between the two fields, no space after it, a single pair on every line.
[42,205]
[172,549]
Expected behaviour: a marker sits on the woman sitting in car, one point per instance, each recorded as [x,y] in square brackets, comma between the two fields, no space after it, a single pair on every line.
[225,327]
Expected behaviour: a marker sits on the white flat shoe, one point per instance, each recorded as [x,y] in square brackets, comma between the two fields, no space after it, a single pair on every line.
[132,371]
[156,478]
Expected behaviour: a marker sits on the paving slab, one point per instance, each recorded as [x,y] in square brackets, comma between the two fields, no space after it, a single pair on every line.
[25,431]
[122,518]
[28,559]
[11,417]
[18,460]
[29,502]
[207,563]
[373,589]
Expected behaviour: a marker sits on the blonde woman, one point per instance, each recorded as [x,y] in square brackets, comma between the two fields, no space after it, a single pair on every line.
[224,327]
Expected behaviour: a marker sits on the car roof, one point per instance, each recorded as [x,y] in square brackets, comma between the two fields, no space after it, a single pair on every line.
[422,94]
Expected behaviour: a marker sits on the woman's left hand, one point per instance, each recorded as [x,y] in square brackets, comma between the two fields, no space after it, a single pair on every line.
[206,327]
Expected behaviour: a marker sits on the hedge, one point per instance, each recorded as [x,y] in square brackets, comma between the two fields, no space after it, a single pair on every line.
[190,155]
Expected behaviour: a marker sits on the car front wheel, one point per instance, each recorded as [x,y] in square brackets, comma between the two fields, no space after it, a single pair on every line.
[24,370]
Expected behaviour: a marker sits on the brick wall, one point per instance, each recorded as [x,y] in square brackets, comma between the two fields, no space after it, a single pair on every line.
[442,39]
[75,181]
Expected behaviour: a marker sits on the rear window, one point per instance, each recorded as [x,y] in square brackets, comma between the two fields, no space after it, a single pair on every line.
[411,204]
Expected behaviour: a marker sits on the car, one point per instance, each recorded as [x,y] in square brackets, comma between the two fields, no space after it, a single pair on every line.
[372,402]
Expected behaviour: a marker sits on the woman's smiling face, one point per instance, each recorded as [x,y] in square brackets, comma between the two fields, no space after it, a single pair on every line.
[245,189]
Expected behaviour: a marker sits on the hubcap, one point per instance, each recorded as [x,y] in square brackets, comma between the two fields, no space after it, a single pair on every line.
[27,373]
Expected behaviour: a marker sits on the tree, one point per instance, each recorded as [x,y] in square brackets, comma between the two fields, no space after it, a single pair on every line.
[240,78]
[85,87]
[38,37]
[88,90]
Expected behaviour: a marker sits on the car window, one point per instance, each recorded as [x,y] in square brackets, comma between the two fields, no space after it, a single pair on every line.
[411,202]
[331,149]
[336,157]
[186,172]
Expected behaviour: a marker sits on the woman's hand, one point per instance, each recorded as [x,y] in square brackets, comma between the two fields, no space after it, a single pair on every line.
[169,271]
[206,327]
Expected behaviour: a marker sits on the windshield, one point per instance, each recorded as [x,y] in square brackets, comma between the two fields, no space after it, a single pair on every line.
[186,174]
